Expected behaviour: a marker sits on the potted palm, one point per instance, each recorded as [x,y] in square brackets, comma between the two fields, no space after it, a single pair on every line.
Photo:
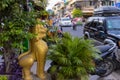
[71,58]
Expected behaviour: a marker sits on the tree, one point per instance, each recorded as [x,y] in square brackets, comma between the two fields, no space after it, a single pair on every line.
[16,17]
[76,13]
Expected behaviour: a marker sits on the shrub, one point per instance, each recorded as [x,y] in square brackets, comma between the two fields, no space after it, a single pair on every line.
[72,58]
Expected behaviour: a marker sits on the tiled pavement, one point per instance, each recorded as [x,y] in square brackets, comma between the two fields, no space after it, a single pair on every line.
[114,76]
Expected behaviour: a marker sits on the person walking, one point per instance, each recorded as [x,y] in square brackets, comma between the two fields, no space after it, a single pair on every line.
[61,28]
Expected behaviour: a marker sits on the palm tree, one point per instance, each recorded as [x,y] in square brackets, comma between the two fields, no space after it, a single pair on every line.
[72,58]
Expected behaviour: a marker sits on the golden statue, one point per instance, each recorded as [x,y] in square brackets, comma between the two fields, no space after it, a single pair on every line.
[37,52]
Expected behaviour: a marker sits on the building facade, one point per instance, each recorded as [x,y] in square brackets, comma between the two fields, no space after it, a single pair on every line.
[87,6]
[58,9]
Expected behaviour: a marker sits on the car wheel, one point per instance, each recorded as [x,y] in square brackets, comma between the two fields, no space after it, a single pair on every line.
[107,66]
[86,35]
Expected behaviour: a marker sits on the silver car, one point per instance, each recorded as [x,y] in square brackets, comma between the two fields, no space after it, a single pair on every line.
[65,22]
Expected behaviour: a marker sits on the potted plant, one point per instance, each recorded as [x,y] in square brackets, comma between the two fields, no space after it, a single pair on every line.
[71,58]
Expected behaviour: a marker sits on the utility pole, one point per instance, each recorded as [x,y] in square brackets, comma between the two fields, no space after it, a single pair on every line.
[64,6]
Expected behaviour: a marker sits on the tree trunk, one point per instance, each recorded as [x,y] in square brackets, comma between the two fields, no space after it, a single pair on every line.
[8,58]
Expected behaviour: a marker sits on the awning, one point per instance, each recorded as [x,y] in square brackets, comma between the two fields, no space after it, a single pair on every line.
[88,11]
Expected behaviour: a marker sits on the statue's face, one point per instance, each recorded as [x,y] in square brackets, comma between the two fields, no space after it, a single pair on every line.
[41,31]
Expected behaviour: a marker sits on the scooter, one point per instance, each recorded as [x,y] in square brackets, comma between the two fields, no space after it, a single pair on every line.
[109,59]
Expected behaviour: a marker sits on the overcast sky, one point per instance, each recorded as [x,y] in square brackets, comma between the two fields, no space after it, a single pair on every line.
[52,3]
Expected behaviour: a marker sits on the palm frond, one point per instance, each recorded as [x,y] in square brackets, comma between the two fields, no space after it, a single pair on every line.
[77,61]
[74,56]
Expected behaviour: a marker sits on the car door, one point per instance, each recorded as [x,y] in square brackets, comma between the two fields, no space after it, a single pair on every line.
[96,29]
[89,28]
[100,30]
[92,28]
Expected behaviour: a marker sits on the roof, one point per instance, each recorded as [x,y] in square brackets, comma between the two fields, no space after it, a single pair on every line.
[97,17]
[107,10]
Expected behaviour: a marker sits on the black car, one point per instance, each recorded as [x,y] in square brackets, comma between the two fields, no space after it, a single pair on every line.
[105,24]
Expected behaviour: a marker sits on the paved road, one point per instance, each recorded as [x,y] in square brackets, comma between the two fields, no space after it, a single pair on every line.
[79,33]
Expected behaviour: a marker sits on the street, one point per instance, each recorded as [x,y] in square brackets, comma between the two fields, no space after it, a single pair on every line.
[79,33]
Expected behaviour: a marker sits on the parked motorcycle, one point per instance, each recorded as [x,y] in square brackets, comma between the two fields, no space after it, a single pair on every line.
[110,59]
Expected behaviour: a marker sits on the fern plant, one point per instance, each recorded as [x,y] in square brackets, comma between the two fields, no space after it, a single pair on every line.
[72,58]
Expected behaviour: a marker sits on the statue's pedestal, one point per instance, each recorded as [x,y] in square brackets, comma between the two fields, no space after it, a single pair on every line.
[48,77]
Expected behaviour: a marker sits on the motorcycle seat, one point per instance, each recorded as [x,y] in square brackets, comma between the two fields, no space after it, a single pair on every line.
[103,48]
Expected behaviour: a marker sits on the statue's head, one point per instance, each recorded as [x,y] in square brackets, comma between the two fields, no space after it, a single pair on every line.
[39,31]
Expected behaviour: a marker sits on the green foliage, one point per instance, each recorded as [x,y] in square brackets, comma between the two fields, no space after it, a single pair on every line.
[41,3]
[43,14]
[52,37]
[3,78]
[5,3]
[16,18]
[73,57]
[76,13]
[15,22]
[15,30]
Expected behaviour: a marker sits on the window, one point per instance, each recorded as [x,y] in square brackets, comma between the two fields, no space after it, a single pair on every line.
[113,24]
[91,3]
[100,23]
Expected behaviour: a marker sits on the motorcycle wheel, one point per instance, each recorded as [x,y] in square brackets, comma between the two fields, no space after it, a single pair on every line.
[107,65]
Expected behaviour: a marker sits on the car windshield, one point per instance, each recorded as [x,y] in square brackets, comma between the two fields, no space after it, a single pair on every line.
[113,24]
[65,19]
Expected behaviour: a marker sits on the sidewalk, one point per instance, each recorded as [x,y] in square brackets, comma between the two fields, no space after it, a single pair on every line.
[114,76]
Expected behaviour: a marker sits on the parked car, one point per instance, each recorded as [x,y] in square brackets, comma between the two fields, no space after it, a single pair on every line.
[105,24]
[65,22]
